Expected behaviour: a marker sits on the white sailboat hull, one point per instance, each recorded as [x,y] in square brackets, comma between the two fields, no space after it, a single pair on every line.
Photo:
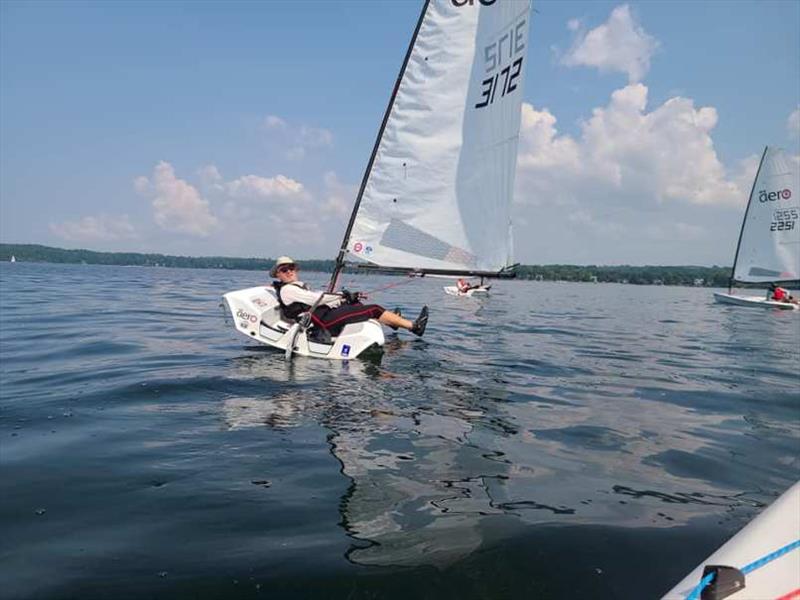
[479,291]
[256,315]
[775,529]
[753,301]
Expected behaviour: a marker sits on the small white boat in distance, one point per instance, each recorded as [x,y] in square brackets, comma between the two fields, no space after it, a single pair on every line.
[769,242]
[464,288]
[481,291]
[761,562]
[13,258]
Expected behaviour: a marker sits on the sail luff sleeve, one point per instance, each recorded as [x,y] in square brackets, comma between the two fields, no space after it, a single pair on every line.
[744,219]
[343,248]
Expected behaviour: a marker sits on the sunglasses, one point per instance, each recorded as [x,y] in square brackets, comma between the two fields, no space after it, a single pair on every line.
[287,269]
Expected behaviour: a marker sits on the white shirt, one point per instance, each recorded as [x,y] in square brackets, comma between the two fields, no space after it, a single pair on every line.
[293,292]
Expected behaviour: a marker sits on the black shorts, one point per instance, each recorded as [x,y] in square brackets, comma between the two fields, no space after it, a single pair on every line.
[334,319]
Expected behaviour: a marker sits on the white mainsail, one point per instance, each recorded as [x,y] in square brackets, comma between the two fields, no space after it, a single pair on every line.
[437,193]
[769,244]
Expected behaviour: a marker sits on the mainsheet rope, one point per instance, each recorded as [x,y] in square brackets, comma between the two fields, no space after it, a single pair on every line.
[387,287]
[756,564]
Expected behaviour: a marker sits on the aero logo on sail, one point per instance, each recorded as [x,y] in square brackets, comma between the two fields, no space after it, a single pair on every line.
[784,194]
[472,2]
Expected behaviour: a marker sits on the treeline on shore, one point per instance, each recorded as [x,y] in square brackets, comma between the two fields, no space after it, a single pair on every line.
[37,253]
[647,275]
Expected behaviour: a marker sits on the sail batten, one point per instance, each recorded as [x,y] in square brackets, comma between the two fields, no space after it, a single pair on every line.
[769,242]
[437,193]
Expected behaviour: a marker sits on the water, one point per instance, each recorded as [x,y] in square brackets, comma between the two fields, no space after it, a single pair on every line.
[561,440]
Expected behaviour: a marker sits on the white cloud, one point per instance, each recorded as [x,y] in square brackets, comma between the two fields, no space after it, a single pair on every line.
[619,44]
[142,185]
[339,197]
[793,123]
[296,141]
[93,229]
[280,215]
[315,137]
[254,186]
[209,174]
[290,215]
[636,184]
[626,155]
[295,153]
[177,205]
[274,122]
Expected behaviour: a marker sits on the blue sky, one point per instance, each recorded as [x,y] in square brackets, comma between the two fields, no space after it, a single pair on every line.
[243,128]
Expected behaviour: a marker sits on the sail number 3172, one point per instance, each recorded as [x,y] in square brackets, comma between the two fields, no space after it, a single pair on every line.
[503,51]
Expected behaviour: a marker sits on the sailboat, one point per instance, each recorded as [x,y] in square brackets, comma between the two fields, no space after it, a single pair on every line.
[769,242]
[13,258]
[479,290]
[436,194]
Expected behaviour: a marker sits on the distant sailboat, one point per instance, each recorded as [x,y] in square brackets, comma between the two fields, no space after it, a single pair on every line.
[436,194]
[464,288]
[769,242]
[13,258]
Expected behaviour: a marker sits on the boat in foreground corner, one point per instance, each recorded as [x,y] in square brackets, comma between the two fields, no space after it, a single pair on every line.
[761,562]
[769,242]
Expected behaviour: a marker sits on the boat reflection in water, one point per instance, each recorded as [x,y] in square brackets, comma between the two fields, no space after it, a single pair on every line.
[439,466]
[416,493]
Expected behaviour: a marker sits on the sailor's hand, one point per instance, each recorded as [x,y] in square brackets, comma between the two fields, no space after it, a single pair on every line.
[349,297]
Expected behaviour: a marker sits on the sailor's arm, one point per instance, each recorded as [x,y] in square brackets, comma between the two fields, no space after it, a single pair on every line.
[294,293]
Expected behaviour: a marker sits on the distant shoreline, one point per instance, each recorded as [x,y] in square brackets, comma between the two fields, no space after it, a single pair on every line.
[645,275]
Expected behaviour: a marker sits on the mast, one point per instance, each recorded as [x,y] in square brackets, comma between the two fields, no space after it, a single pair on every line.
[744,220]
[343,249]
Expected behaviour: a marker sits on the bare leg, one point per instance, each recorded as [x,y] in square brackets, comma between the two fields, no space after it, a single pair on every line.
[394,320]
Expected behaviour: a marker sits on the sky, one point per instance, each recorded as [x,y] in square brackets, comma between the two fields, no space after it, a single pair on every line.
[243,128]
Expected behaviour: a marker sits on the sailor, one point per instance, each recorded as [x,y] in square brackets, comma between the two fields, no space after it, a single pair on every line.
[778,294]
[464,286]
[334,310]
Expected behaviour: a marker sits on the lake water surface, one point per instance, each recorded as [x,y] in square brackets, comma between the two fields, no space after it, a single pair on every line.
[556,441]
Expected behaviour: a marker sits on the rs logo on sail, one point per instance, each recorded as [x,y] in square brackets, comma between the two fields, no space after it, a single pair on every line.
[472,2]
[784,194]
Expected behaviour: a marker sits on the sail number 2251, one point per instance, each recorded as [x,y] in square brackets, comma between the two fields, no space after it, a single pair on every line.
[503,64]
[784,220]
